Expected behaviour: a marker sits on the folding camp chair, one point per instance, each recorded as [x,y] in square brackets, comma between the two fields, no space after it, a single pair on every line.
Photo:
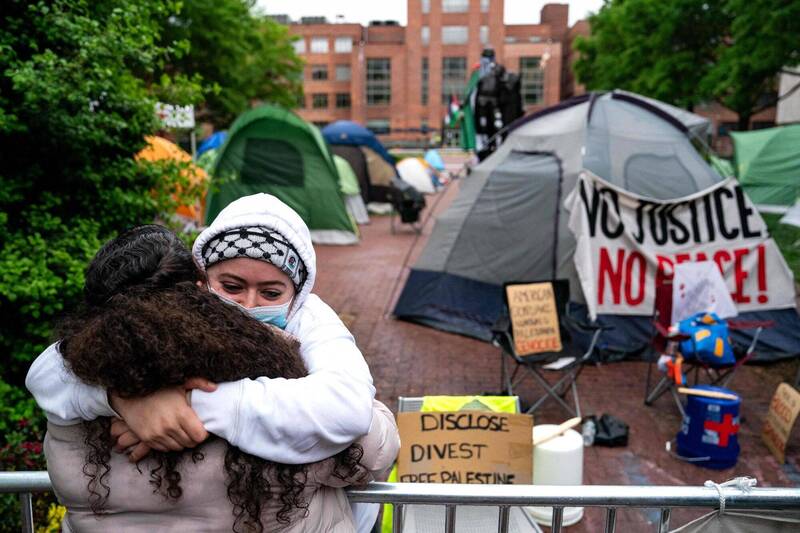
[667,341]
[535,364]
[424,518]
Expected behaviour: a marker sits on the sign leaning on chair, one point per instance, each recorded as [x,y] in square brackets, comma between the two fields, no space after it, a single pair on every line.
[534,318]
[626,244]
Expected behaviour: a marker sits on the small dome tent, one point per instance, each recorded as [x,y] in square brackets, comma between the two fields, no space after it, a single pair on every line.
[767,163]
[417,173]
[272,150]
[352,193]
[508,222]
[212,142]
[160,149]
[369,159]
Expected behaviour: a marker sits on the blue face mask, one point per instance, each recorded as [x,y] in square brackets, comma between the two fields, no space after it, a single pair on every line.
[276,315]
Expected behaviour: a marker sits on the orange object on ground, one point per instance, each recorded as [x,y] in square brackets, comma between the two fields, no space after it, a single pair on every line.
[674,370]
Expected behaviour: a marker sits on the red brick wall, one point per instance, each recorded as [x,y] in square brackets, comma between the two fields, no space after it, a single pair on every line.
[403,45]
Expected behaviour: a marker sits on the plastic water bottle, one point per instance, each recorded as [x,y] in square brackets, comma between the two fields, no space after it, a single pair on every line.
[588,431]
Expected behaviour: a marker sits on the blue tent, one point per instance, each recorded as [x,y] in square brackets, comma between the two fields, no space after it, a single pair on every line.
[435,160]
[351,133]
[215,140]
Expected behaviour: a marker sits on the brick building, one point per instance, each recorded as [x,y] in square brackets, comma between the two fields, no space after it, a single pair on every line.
[398,80]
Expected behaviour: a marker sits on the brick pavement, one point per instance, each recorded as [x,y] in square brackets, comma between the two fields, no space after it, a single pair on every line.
[411,360]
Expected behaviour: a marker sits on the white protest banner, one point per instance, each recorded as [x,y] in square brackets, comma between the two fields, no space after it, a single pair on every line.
[175,116]
[626,245]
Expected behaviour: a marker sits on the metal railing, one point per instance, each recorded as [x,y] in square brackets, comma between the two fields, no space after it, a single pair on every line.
[612,497]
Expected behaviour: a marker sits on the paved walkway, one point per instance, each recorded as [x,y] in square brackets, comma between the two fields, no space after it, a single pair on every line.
[363,281]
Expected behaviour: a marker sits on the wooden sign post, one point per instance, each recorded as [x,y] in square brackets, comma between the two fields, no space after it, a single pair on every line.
[465,447]
[534,318]
[783,410]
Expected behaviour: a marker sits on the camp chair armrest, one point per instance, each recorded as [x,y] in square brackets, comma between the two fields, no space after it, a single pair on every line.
[583,326]
[672,336]
[502,325]
[750,324]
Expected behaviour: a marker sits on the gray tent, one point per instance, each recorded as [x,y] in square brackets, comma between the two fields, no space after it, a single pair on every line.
[508,222]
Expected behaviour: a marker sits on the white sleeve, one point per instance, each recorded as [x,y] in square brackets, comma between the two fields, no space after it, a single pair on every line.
[64,398]
[301,420]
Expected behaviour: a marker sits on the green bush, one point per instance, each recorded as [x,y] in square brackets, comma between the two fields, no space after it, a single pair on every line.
[75,106]
[22,428]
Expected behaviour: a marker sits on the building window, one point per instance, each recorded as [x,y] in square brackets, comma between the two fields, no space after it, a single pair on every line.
[343,45]
[342,100]
[455,34]
[299,46]
[454,77]
[342,72]
[531,80]
[379,126]
[423,125]
[484,34]
[379,81]
[484,6]
[425,78]
[455,6]
[319,45]
[319,72]
[319,101]
[426,6]
[425,35]
[301,101]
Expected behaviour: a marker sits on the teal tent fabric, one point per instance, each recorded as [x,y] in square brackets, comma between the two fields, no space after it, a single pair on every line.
[767,163]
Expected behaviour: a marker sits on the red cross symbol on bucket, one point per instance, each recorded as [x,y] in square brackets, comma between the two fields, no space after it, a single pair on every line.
[724,429]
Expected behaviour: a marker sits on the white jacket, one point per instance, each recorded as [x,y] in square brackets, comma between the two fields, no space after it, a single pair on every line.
[285,420]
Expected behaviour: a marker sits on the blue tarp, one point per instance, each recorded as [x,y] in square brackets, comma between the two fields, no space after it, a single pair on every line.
[215,140]
[435,160]
[347,132]
[468,307]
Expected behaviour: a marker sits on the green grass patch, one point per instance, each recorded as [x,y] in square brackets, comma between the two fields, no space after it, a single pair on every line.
[788,239]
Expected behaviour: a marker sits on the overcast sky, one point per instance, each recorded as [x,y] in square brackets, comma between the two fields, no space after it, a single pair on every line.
[517,11]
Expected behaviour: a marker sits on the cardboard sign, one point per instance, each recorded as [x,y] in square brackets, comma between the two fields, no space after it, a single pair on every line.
[478,447]
[783,411]
[534,318]
[175,116]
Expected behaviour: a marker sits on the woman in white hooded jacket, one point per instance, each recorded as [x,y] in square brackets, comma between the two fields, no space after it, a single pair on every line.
[284,420]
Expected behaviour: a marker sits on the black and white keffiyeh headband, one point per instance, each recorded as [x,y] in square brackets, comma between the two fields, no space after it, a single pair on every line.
[260,243]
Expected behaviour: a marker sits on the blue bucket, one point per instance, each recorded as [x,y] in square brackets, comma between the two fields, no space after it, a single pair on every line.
[709,430]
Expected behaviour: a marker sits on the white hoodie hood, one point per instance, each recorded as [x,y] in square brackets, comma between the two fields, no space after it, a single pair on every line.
[269,212]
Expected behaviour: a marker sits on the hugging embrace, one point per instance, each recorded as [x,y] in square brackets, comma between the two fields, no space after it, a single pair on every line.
[210,390]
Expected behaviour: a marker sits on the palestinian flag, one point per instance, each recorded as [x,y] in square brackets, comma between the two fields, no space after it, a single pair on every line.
[453,111]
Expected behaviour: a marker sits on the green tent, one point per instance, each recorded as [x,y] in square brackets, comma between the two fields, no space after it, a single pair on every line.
[348,182]
[272,150]
[723,167]
[767,163]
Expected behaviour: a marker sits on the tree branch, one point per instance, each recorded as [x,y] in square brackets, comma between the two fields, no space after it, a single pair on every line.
[775,101]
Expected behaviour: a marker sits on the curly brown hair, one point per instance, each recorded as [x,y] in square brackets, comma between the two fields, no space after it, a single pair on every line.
[149,338]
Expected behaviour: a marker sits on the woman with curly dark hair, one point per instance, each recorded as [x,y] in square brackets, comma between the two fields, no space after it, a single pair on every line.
[136,335]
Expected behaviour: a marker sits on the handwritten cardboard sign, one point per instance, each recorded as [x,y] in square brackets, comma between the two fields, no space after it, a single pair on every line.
[476,447]
[534,318]
[783,410]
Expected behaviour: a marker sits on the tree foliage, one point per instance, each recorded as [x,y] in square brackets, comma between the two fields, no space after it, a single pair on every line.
[241,57]
[76,85]
[690,51]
